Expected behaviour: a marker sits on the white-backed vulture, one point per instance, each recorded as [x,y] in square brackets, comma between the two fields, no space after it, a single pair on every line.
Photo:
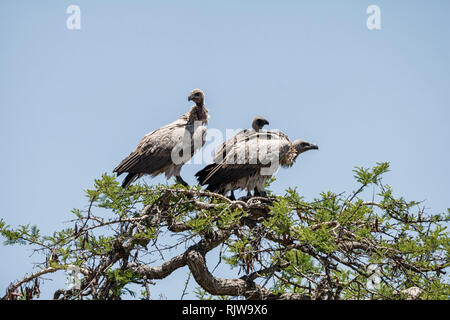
[167,149]
[250,161]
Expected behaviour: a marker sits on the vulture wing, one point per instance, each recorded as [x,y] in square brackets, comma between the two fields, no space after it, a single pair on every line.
[222,151]
[155,151]
[152,153]
[251,152]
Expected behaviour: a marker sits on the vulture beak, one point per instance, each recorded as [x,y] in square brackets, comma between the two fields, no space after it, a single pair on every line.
[303,146]
[266,122]
[190,97]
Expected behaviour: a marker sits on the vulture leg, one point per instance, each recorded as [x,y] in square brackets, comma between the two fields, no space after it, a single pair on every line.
[180,180]
[261,193]
[249,194]
[232,197]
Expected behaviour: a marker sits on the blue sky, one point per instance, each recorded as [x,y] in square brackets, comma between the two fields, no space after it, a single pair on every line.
[74,103]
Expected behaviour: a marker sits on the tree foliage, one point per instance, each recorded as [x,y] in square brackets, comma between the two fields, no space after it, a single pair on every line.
[338,246]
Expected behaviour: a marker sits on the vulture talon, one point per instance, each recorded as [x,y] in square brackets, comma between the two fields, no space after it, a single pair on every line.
[261,193]
[180,180]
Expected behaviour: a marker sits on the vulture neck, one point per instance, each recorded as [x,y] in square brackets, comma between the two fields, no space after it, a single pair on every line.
[255,127]
[200,104]
[200,113]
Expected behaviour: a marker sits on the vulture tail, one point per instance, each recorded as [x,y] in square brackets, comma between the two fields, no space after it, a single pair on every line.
[129,179]
[202,174]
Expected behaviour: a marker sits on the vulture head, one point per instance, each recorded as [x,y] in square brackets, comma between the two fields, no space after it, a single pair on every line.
[197,96]
[258,123]
[302,146]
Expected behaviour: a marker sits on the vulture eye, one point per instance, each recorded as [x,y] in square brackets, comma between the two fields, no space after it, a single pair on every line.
[304,144]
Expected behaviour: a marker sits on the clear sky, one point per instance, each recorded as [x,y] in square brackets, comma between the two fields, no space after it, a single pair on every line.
[74,103]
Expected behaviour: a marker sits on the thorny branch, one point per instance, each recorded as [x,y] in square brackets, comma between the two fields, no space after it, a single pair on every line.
[174,210]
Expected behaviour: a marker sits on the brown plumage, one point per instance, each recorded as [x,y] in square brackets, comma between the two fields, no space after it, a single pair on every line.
[167,149]
[249,159]
[257,124]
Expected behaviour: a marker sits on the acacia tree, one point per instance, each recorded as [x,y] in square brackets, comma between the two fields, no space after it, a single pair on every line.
[338,246]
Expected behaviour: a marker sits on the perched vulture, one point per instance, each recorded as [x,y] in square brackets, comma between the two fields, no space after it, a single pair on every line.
[249,159]
[167,149]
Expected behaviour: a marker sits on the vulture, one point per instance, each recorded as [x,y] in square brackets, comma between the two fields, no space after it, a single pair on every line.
[249,159]
[167,149]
